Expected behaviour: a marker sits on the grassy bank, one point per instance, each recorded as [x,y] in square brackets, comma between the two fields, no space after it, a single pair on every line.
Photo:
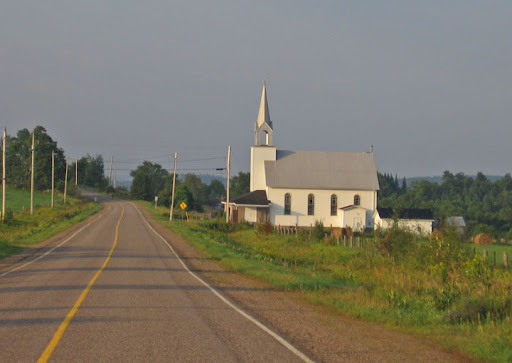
[22,229]
[439,289]
[19,200]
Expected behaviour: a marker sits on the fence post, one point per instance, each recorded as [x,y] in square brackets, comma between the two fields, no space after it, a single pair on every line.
[505,259]
[486,254]
[352,242]
[344,241]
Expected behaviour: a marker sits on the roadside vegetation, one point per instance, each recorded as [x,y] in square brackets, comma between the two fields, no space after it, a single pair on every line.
[20,229]
[438,288]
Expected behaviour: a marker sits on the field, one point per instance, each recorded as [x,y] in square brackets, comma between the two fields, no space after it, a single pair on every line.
[22,229]
[439,289]
[495,251]
[19,200]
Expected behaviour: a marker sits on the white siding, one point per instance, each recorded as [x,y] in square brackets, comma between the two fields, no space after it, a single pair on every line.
[251,215]
[260,154]
[422,226]
[299,205]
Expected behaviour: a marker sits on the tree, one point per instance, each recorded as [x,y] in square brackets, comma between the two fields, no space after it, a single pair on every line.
[183,195]
[148,181]
[198,190]
[91,171]
[18,159]
[239,184]
[215,190]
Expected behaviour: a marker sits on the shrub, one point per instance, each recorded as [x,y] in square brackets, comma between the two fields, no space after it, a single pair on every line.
[264,227]
[318,232]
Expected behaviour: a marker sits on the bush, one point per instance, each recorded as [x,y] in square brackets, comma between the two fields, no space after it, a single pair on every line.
[265,228]
[482,308]
[318,232]
[9,216]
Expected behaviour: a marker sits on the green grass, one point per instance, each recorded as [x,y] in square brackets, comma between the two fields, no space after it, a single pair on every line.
[437,289]
[19,200]
[495,250]
[25,229]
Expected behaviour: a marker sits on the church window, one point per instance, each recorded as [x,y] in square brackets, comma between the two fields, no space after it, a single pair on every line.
[357,199]
[311,205]
[334,205]
[287,203]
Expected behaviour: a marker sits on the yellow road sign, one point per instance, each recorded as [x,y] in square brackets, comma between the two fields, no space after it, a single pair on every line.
[183,205]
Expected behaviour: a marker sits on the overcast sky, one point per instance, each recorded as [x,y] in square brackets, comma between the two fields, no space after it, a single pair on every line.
[428,83]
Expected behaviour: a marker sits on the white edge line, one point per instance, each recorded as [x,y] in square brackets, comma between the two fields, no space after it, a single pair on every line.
[52,249]
[276,336]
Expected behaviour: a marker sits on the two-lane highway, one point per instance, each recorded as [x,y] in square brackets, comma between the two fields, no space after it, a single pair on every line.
[117,292]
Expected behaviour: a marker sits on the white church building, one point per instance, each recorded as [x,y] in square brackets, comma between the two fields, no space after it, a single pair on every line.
[298,188]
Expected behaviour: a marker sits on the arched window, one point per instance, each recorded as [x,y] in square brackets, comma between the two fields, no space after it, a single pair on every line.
[357,199]
[311,205]
[287,203]
[334,205]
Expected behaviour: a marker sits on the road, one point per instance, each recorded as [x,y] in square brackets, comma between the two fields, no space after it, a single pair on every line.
[143,306]
[113,289]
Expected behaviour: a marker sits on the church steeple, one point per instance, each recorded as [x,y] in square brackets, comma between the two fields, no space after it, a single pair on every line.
[263,124]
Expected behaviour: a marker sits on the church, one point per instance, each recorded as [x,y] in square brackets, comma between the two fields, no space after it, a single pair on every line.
[298,188]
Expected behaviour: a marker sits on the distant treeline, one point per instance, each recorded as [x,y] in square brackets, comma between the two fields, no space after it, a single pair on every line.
[486,205]
[18,159]
[150,180]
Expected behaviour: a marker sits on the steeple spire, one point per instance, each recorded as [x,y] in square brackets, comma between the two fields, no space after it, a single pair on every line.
[263,114]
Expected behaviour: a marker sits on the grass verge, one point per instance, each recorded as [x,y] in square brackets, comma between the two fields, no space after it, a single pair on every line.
[438,289]
[24,229]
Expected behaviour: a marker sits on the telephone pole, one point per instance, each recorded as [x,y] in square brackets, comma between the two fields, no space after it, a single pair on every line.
[110,175]
[32,178]
[53,176]
[228,166]
[173,185]
[3,174]
[66,181]
[76,172]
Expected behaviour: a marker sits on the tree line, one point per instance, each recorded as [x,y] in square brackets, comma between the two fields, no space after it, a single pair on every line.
[485,205]
[18,158]
[150,180]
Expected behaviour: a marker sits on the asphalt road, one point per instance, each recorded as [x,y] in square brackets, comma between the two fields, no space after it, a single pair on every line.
[75,303]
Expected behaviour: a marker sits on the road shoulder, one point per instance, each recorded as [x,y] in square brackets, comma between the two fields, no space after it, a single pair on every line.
[319,332]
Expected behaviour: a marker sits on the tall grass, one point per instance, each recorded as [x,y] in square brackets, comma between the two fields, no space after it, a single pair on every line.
[438,288]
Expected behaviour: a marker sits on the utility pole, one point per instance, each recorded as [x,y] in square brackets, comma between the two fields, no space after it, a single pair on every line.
[3,174]
[173,185]
[66,181]
[110,175]
[32,178]
[53,175]
[228,166]
[76,172]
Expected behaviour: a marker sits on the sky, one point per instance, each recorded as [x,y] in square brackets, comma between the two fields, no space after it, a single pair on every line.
[427,83]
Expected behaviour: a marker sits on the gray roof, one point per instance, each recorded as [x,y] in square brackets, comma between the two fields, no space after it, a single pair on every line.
[257,197]
[456,221]
[322,170]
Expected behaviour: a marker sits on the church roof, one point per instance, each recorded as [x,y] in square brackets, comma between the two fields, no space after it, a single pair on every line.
[263,113]
[322,170]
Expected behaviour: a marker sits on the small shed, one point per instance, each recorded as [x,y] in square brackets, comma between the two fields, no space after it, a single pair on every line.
[458,223]
[250,207]
[416,220]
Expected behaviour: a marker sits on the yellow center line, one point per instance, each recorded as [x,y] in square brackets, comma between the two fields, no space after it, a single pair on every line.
[63,326]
